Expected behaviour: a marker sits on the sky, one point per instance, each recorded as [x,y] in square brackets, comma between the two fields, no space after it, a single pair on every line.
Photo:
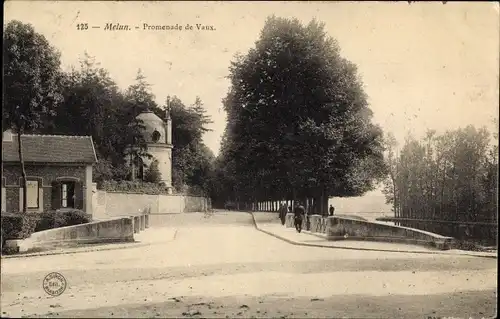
[424,65]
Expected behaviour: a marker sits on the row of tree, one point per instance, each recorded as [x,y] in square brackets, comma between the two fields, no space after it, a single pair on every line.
[299,126]
[452,176]
[39,97]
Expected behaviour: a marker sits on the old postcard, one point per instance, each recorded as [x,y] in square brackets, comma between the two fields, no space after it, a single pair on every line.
[250,159]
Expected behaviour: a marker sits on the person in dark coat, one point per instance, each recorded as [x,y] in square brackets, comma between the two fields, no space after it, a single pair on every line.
[299,213]
[283,211]
[331,210]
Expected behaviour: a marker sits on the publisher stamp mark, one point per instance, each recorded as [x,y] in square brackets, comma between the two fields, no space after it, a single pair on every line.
[54,284]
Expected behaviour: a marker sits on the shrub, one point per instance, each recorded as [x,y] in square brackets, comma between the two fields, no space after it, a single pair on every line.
[61,218]
[75,217]
[10,250]
[139,187]
[49,220]
[153,174]
[18,226]
[22,225]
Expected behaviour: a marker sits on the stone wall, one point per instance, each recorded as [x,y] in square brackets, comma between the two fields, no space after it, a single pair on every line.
[110,204]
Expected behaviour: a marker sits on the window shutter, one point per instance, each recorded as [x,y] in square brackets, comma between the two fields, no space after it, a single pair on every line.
[79,195]
[56,195]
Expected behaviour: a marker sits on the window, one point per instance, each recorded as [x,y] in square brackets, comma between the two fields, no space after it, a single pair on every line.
[32,194]
[68,195]
[156,136]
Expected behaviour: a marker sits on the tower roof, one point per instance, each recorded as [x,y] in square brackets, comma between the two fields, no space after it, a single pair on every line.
[150,118]
[152,123]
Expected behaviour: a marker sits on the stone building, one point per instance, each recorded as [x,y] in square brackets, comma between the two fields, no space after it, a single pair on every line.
[157,133]
[58,170]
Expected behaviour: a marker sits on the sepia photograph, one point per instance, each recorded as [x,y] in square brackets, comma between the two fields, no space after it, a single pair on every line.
[248,159]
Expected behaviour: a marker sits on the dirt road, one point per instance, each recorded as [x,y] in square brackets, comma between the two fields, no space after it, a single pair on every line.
[222,267]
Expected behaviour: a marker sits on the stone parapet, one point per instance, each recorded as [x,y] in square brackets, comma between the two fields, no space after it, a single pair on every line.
[337,228]
[108,231]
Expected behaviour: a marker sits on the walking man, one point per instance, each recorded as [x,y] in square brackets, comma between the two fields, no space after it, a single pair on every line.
[299,213]
[331,210]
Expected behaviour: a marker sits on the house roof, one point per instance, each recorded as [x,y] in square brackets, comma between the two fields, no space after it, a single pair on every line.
[50,149]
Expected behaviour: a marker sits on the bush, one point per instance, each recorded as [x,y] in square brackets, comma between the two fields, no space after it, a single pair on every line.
[22,225]
[55,219]
[75,217]
[18,226]
[48,220]
[153,174]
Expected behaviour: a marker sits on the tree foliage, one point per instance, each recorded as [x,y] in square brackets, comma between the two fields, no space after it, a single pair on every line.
[40,97]
[298,119]
[192,159]
[93,105]
[31,78]
[452,176]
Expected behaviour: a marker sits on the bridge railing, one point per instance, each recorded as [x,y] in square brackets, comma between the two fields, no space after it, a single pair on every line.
[341,228]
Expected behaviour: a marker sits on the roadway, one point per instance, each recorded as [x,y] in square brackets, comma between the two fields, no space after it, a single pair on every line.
[222,266]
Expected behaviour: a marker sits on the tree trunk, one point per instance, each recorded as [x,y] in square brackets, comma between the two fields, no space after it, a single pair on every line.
[23,171]
[394,194]
[323,203]
[316,205]
[324,199]
[132,163]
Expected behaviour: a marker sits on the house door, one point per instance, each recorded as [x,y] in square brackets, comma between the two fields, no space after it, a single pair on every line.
[68,195]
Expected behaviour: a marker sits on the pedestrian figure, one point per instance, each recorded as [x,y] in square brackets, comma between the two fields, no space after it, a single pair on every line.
[332,210]
[283,211]
[299,213]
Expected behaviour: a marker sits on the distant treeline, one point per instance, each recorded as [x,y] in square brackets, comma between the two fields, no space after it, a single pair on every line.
[452,176]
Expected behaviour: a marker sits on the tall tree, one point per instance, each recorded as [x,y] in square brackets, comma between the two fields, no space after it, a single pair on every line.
[31,77]
[192,160]
[139,98]
[298,118]
[390,187]
[139,95]
[203,119]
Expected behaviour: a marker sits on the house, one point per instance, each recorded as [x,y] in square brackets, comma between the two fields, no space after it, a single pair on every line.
[58,170]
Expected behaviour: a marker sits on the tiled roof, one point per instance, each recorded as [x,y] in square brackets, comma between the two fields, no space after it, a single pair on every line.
[50,149]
